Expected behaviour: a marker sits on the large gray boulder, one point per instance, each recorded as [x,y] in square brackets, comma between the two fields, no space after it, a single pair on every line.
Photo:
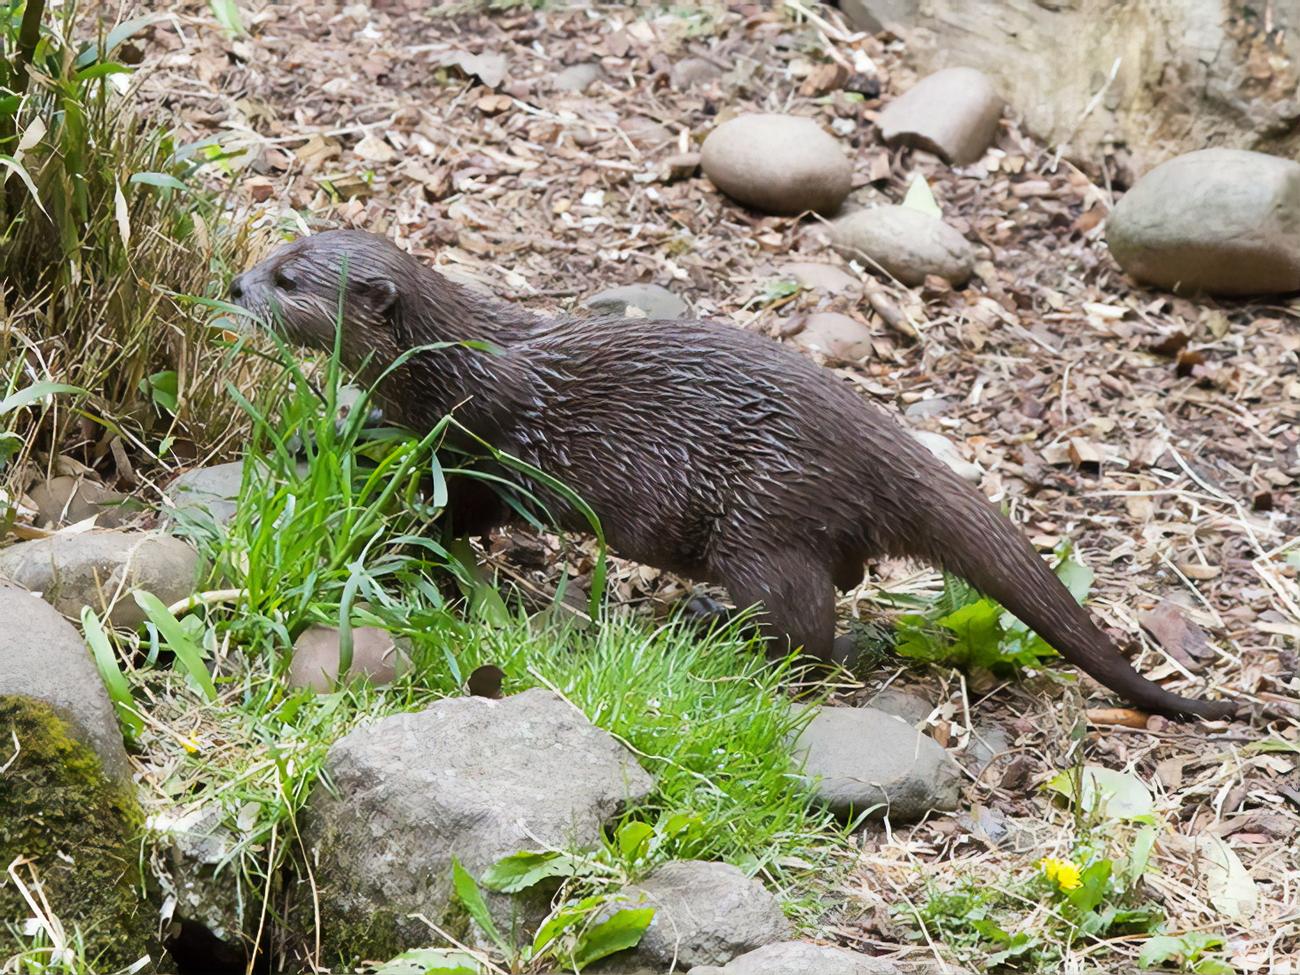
[952,113]
[705,914]
[1220,221]
[42,656]
[906,243]
[801,958]
[101,569]
[470,778]
[68,812]
[782,164]
[860,760]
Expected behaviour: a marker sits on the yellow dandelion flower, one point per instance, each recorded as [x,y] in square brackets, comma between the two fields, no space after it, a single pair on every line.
[1063,873]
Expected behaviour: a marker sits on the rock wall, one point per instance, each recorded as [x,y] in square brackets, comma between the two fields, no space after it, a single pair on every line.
[1192,73]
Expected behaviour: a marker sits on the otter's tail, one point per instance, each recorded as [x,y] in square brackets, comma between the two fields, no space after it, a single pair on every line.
[956,527]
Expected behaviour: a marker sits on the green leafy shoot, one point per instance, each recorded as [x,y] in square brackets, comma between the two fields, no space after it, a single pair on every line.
[965,630]
[431,961]
[623,930]
[471,898]
[1193,952]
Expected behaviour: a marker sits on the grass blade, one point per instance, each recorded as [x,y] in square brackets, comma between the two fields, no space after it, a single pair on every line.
[186,650]
[109,669]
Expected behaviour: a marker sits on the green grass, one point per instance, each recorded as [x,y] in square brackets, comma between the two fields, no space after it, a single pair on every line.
[349,535]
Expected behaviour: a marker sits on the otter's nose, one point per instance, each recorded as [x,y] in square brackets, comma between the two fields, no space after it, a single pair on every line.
[237,287]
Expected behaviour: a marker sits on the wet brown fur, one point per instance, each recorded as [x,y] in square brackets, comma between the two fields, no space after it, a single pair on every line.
[704,449]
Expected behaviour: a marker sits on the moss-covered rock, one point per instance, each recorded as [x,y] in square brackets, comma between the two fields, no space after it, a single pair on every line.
[76,832]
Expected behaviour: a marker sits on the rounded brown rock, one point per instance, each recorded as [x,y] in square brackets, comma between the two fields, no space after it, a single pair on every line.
[1218,221]
[781,164]
[905,243]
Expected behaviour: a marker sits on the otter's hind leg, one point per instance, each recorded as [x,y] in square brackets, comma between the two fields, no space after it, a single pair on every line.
[797,597]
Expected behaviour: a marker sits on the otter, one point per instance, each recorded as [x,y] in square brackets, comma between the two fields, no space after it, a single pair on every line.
[704,449]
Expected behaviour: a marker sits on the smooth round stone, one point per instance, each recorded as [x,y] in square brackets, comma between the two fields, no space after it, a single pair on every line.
[1219,221]
[689,72]
[782,164]
[315,664]
[835,336]
[705,914]
[861,759]
[101,569]
[944,449]
[821,277]
[907,243]
[67,500]
[802,958]
[952,113]
[648,300]
[577,77]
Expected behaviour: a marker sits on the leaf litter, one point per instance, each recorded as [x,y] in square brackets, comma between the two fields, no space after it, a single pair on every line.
[1156,433]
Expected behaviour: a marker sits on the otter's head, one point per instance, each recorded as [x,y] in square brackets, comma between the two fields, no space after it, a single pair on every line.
[307,288]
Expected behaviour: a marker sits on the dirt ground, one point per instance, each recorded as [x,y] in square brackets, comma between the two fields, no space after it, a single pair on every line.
[1159,434]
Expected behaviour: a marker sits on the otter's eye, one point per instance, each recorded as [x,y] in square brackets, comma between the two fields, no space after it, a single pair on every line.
[284,281]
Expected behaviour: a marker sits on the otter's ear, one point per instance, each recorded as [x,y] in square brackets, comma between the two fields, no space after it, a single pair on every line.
[384,294]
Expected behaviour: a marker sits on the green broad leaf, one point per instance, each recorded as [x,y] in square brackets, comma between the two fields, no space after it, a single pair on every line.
[778,289]
[163,388]
[677,824]
[623,930]
[560,921]
[976,626]
[227,14]
[164,180]
[1140,855]
[1160,949]
[111,673]
[1017,945]
[519,871]
[1188,949]
[188,653]
[1076,576]
[472,899]
[1115,795]
[431,961]
[37,391]
[1094,882]
[633,839]
[920,198]
[1264,745]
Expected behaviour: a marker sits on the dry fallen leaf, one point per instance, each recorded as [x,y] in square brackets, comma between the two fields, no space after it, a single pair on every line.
[493,104]
[374,149]
[1231,888]
[489,67]
[1180,637]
